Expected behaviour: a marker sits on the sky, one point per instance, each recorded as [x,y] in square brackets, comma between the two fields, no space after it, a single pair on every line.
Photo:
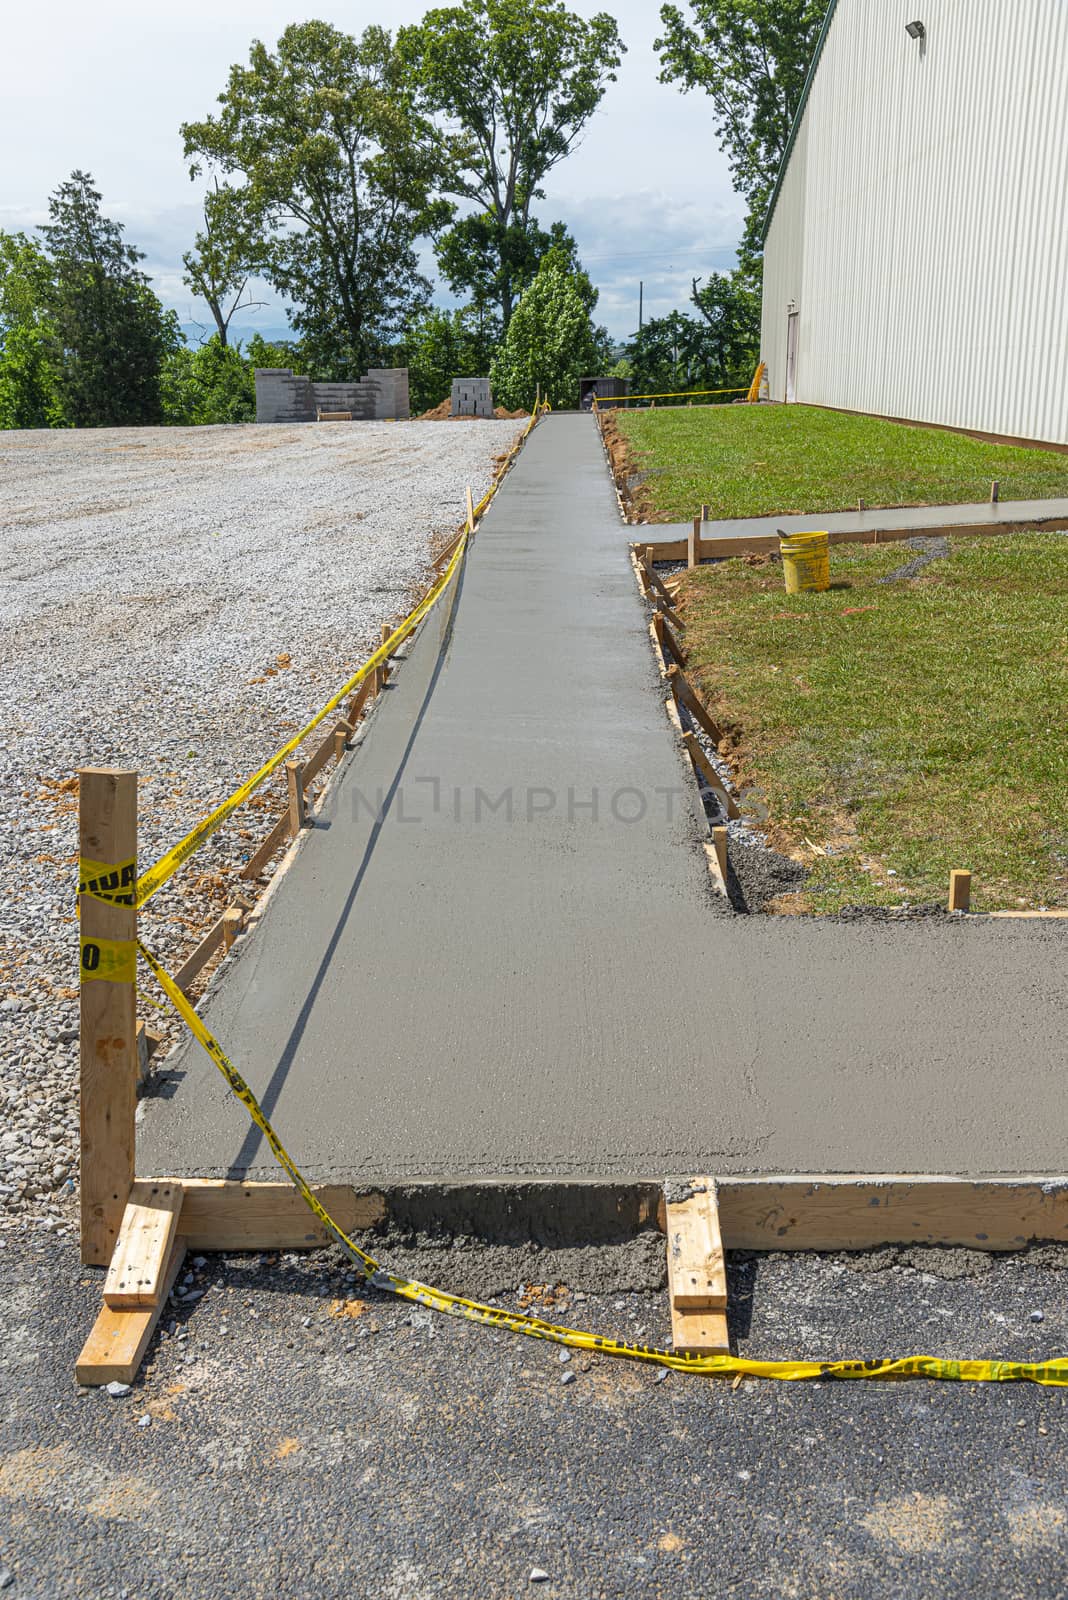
[104,86]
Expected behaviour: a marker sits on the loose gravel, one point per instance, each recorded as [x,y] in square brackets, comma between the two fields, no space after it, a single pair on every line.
[179,600]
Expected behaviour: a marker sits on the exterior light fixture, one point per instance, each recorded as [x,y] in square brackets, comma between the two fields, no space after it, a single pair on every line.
[915,30]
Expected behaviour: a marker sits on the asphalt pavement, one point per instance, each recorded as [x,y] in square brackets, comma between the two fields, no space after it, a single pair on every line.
[313,1440]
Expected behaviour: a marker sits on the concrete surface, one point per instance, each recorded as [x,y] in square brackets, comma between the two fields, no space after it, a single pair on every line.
[387,1453]
[450,992]
[1051,513]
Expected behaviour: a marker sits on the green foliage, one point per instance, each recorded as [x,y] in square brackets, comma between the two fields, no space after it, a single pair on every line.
[516,82]
[111,329]
[335,174]
[29,347]
[751,57]
[717,350]
[214,383]
[217,268]
[444,345]
[494,265]
[550,342]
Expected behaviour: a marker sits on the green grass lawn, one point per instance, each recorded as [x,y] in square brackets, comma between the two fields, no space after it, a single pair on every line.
[748,461]
[907,728]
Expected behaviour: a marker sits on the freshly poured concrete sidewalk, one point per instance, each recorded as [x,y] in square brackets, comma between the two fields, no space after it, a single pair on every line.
[1003,514]
[499,979]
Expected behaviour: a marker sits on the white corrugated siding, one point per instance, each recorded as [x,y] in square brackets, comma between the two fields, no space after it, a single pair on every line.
[922,225]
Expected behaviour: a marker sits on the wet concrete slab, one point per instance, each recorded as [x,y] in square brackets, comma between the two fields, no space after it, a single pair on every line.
[1002,514]
[498,952]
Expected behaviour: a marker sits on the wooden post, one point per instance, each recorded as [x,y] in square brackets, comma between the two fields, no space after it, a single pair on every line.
[233,922]
[704,515]
[470,510]
[960,891]
[295,779]
[719,840]
[995,490]
[342,735]
[107,846]
[381,674]
[693,544]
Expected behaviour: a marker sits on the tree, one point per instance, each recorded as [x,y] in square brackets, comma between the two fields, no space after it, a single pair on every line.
[517,81]
[551,342]
[751,57]
[443,345]
[218,267]
[112,332]
[211,384]
[337,175]
[29,346]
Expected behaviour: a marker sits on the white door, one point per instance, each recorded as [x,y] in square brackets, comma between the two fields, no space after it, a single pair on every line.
[791,356]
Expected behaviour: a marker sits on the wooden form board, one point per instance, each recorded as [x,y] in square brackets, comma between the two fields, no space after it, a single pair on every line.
[219,1214]
[697,1274]
[143,1248]
[117,1343]
[862,1212]
[768,543]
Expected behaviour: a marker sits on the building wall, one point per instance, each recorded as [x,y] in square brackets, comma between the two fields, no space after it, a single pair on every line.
[284,396]
[922,227]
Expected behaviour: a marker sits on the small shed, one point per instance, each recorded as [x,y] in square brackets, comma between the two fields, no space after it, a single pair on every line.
[607,391]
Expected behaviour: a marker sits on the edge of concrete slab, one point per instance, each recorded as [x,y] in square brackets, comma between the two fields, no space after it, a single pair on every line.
[788,1211]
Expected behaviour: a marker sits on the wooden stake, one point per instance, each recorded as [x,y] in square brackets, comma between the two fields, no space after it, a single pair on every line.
[693,544]
[295,779]
[697,1275]
[960,891]
[107,836]
[143,1249]
[995,491]
[470,510]
[704,514]
[719,841]
[381,674]
[342,735]
[233,921]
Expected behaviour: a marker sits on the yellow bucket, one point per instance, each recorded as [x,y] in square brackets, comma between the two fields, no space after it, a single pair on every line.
[805,561]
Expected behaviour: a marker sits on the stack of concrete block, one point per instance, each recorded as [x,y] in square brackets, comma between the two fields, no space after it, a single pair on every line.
[283,396]
[471,397]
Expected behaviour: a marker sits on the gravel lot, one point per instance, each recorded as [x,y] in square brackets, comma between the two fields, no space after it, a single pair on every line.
[178,599]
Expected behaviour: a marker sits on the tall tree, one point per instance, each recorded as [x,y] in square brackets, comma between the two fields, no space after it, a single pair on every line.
[516,82]
[336,174]
[113,332]
[551,342]
[29,345]
[220,263]
[751,57]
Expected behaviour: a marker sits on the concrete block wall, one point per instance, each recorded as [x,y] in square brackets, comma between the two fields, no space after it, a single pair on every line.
[284,396]
[471,397]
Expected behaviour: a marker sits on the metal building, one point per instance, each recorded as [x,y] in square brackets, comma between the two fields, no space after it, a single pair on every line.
[916,246]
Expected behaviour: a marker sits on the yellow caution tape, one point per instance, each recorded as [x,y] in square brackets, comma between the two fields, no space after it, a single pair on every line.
[673,394]
[1053,1373]
[115,885]
[112,960]
[151,881]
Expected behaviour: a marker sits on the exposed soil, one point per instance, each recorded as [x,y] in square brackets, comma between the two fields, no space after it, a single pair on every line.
[443,413]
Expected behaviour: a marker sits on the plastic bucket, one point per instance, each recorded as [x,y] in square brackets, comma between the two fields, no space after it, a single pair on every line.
[805,562]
